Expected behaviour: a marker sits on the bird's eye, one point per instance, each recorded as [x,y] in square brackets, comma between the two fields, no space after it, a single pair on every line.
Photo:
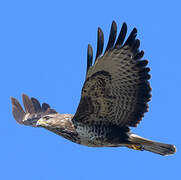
[46,117]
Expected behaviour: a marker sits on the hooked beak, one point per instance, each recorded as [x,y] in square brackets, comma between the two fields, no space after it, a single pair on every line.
[42,123]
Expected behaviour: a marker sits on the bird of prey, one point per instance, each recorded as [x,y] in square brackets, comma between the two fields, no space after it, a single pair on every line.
[114,97]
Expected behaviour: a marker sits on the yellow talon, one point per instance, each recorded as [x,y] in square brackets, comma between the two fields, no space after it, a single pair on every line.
[135,147]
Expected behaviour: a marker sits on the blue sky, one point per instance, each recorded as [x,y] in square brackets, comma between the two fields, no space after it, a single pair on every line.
[43,48]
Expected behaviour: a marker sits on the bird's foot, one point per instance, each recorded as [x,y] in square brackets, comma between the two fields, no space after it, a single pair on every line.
[135,147]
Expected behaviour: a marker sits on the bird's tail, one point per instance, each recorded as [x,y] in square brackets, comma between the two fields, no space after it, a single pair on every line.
[140,143]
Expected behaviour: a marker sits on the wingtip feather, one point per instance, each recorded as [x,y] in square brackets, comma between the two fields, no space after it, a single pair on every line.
[112,36]
[100,42]
[28,104]
[121,36]
[89,56]
[17,110]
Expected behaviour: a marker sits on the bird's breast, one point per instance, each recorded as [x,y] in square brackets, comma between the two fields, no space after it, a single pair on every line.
[95,136]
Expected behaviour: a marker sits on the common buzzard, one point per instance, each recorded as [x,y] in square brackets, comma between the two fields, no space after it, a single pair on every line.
[114,98]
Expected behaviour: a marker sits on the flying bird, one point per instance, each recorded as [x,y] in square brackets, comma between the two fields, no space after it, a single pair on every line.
[114,98]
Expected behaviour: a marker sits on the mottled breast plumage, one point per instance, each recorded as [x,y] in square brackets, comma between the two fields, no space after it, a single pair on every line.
[101,135]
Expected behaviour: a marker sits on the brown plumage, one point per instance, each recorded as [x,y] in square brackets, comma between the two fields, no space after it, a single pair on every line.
[114,97]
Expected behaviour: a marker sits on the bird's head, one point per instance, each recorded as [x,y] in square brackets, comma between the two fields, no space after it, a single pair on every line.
[51,121]
[60,124]
[44,122]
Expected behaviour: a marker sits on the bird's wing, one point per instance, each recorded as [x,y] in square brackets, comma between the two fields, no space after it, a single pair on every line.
[33,110]
[116,89]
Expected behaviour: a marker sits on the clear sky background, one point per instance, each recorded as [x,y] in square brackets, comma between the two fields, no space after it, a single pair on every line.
[43,47]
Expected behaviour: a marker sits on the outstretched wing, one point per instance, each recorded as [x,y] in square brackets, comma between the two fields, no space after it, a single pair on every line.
[33,110]
[116,89]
